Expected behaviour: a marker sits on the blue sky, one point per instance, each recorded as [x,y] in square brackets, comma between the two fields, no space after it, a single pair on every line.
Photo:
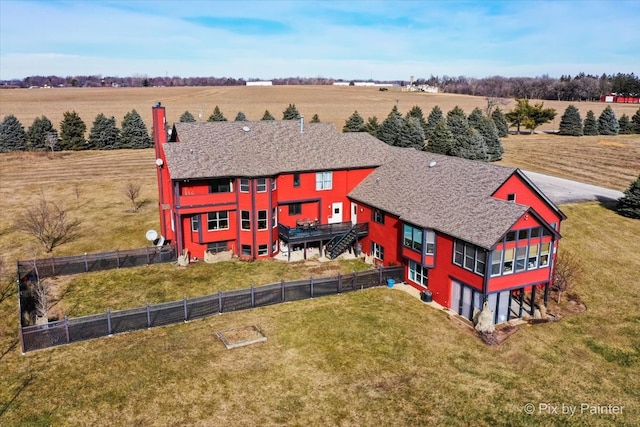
[384,40]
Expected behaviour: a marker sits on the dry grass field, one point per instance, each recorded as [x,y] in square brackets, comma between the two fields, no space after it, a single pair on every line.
[377,357]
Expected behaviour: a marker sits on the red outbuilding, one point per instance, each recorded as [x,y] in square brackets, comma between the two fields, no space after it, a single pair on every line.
[465,231]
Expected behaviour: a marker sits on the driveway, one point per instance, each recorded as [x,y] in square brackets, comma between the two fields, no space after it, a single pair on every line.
[561,190]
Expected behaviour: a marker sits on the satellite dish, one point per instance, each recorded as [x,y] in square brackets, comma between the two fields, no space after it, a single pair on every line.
[159,162]
[151,235]
[246,128]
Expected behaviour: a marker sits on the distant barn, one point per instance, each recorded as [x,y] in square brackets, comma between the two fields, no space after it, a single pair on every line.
[612,97]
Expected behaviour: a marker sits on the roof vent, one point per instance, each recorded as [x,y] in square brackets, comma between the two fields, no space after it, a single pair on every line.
[432,163]
[246,128]
[191,151]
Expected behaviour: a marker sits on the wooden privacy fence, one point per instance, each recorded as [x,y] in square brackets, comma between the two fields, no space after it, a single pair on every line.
[114,322]
[74,264]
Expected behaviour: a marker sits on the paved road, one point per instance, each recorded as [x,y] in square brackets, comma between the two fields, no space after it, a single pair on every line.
[561,190]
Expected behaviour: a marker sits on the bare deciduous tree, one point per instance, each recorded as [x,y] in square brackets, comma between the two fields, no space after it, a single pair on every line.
[52,140]
[77,190]
[49,223]
[133,192]
[493,102]
[566,272]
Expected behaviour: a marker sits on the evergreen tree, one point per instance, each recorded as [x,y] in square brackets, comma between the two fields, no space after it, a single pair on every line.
[501,123]
[355,123]
[570,122]
[590,124]
[187,117]
[372,126]
[607,122]
[290,113]
[315,119]
[72,129]
[470,145]
[489,132]
[629,205]
[411,134]
[417,113]
[475,117]
[267,116]
[12,135]
[635,122]
[434,118]
[240,117]
[216,116]
[625,125]
[441,140]
[37,133]
[134,132]
[389,130]
[104,134]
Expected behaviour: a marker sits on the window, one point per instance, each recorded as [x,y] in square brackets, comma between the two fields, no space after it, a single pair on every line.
[296,180]
[544,254]
[261,185]
[195,223]
[218,220]
[274,217]
[458,253]
[263,250]
[413,238]
[535,232]
[378,216]
[523,234]
[511,236]
[481,260]
[324,180]
[273,184]
[496,262]
[244,185]
[274,247]
[216,247]
[533,257]
[245,217]
[511,197]
[377,251]
[222,185]
[507,267]
[418,273]
[469,256]
[521,257]
[295,209]
[262,220]
[431,241]
[246,250]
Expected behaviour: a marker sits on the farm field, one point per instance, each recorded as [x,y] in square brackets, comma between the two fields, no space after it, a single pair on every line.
[372,357]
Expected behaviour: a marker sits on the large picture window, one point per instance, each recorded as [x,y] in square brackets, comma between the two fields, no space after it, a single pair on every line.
[418,273]
[222,185]
[324,180]
[413,238]
[218,220]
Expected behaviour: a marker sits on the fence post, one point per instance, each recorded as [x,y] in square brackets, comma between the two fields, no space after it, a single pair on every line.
[148,315]
[355,280]
[219,301]
[379,276]
[282,288]
[66,328]
[20,310]
[109,322]
[253,298]
[184,299]
[117,259]
[311,282]
[86,264]
[146,248]
[53,266]
[340,283]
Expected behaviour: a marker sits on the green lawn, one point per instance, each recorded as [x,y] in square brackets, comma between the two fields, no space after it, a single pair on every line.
[375,357]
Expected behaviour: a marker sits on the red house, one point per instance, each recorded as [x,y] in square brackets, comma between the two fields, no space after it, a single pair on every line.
[467,231]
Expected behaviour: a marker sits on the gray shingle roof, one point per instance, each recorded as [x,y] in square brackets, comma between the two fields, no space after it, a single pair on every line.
[453,197]
[269,147]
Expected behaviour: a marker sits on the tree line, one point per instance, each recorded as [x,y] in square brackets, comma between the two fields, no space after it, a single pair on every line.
[571,123]
[581,87]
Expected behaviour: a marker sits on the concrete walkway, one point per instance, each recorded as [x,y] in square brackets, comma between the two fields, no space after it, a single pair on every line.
[561,190]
